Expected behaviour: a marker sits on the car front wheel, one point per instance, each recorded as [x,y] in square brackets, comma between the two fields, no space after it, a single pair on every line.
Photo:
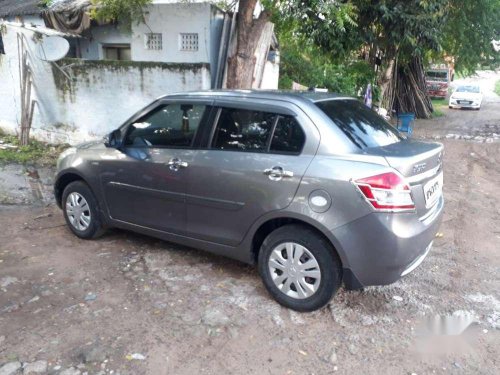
[81,210]
[299,267]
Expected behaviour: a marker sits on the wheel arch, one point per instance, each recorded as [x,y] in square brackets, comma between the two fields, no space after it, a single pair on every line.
[265,227]
[63,180]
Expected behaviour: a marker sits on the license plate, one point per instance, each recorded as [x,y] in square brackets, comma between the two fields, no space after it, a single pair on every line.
[433,189]
[464,102]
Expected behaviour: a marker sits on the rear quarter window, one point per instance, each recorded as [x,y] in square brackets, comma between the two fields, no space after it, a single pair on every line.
[360,124]
[288,136]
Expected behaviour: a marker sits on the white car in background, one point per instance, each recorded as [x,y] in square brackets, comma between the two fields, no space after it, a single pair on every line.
[466,96]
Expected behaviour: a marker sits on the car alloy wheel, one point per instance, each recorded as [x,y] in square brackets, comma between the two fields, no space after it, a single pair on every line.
[78,211]
[294,270]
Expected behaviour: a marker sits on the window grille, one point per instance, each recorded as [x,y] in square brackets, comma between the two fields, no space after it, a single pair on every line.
[189,42]
[153,41]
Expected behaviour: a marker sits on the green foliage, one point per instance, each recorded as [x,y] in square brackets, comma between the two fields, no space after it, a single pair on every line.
[307,63]
[467,32]
[317,22]
[36,152]
[402,28]
[126,12]
[438,105]
[497,87]
[405,27]
[311,68]
[45,3]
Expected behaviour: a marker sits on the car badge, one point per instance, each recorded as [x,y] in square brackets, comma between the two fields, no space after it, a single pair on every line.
[417,168]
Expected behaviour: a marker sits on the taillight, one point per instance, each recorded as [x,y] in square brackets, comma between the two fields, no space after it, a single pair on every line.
[386,191]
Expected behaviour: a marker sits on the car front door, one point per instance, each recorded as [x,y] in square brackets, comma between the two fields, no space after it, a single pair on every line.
[146,184]
[253,164]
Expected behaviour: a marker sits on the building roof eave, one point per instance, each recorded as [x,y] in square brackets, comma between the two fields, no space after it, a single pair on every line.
[40,30]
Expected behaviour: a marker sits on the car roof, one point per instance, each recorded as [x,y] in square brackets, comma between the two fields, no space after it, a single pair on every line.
[310,96]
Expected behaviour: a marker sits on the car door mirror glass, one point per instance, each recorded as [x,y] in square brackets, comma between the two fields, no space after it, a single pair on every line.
[114,139]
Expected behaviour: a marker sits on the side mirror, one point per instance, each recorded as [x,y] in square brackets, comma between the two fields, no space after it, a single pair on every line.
[114,139]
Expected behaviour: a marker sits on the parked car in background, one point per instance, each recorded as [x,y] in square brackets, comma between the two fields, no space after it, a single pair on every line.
[315,188]
[466,96]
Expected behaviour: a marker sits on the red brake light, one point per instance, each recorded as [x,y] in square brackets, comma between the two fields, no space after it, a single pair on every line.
[388,180]
[386,191]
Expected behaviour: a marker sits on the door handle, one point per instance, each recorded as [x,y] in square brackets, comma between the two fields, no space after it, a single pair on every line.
[175,164]
[277,173]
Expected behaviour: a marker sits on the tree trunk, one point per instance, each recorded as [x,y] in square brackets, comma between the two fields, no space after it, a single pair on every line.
[241,64]
[411,92]
[403,87]
[386,84]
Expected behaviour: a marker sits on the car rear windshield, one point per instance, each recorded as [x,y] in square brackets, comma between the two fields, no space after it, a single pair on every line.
[360,124]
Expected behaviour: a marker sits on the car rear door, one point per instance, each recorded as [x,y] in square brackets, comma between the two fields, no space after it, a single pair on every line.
[253,162]
[146,185]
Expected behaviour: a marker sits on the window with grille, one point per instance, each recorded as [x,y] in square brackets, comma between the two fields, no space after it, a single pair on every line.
[153,41]
[189,42]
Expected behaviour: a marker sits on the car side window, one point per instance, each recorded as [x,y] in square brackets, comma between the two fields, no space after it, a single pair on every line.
[171,125]
[243,130]
[288,136]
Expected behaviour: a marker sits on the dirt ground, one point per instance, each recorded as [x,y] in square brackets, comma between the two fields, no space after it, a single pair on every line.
[129,304]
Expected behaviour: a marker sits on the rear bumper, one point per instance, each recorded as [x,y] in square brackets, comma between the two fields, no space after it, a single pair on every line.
[380,248]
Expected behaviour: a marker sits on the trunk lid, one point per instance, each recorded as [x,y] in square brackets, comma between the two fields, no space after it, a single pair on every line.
[420,163]
[413,159]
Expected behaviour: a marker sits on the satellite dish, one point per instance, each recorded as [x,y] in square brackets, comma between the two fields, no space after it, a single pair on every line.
[52,48]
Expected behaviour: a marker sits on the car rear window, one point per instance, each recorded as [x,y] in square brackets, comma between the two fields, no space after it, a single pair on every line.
[360,124]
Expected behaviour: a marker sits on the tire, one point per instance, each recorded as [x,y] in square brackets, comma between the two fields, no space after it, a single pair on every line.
[88,224]
[305,242]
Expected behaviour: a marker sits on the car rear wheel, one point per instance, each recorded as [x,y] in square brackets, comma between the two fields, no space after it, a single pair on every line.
[81,210]
[299,268]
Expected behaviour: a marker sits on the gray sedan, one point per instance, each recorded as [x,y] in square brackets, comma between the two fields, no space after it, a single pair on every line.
[316,189]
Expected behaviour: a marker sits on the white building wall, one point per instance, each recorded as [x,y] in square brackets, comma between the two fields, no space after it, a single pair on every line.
[171,20]
[103,94]
[91,47]
[271,75]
